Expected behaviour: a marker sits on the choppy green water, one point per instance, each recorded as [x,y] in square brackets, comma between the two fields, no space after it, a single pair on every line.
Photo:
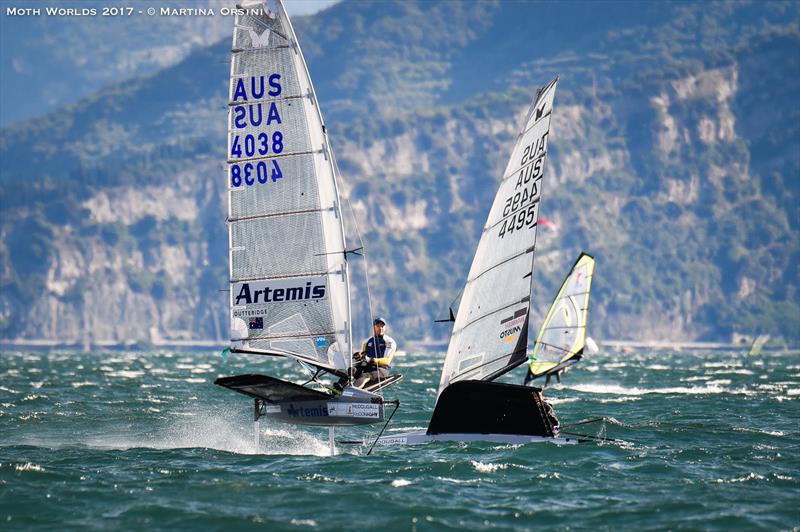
[135,440]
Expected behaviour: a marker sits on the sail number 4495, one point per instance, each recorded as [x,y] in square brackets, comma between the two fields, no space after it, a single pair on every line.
[524,218]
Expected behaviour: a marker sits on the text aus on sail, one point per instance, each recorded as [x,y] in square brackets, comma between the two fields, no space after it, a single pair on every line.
[520,207]
[252,110]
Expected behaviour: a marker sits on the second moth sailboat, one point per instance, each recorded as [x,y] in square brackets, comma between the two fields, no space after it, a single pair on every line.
[490,332]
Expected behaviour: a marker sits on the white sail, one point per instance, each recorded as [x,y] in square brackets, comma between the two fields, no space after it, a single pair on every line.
[288,274]
[490,333]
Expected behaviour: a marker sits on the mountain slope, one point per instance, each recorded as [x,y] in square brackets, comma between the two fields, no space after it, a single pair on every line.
[674,160]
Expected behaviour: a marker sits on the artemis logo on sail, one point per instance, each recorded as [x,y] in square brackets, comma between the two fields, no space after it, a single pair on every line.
[252,293]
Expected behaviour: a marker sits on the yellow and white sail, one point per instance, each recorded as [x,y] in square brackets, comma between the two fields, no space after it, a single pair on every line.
[563,334]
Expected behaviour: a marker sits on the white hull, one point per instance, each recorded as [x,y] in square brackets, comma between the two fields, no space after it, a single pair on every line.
[415,438]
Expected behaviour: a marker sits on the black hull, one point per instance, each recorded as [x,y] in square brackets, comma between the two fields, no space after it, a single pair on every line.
[484,407]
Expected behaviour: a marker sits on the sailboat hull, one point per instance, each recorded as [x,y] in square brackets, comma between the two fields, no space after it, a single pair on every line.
[414,438]
[292,403]
[485,407]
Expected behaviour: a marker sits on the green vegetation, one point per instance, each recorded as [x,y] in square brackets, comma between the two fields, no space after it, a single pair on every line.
[674,160]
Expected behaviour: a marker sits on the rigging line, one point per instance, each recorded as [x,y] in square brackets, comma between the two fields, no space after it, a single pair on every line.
[310,371]
[598,438]
[363,249]
[586,422]
[396,406]
[369,292]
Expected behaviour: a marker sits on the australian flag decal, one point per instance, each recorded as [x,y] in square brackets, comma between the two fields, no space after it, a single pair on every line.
[256,323]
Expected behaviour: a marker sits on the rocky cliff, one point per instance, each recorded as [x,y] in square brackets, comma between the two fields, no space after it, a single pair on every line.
[674,161]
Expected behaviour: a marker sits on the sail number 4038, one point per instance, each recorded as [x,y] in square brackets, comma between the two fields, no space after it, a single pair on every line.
[253,146]
[249,173]
[524,218]
[260,144]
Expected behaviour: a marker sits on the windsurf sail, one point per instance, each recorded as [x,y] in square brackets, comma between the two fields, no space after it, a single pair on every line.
[289,282]
[758,345]
[490,333]
[562,338]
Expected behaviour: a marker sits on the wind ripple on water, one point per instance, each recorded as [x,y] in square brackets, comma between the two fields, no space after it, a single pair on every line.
[703,440]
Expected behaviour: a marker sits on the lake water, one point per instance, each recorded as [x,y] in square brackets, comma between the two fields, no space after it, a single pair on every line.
[146,440]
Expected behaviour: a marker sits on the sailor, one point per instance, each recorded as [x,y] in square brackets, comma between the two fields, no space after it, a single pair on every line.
[375,358]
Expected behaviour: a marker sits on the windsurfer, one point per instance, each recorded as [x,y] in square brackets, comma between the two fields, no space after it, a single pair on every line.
[375,358]
[558,377]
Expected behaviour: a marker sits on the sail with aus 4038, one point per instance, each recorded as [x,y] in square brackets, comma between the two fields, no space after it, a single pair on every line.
[288,275]
[490,333]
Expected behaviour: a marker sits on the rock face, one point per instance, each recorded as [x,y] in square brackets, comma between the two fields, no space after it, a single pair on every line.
[674,165]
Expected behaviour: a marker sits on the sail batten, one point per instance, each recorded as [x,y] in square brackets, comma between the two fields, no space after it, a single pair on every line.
[290,292]
[490,314]
[484,344]
[510,215]
[277,214]
[267,100]
[506,177]
[279,277]
[494,266]
[274,156]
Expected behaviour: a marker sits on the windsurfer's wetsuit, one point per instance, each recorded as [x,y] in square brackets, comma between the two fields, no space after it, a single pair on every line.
[378,352]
